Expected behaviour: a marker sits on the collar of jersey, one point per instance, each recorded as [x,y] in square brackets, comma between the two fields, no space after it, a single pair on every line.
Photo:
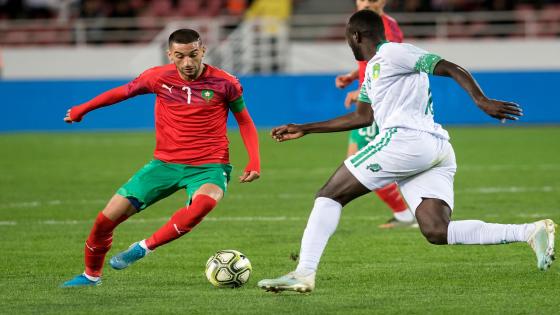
[380,44]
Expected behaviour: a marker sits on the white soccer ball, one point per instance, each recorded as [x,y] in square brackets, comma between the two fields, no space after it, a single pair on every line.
[228,269]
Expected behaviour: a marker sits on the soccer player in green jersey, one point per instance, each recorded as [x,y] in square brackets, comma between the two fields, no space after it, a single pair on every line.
[359,138]
[410,149]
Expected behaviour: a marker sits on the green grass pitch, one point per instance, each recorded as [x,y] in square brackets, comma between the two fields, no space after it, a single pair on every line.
[52,186]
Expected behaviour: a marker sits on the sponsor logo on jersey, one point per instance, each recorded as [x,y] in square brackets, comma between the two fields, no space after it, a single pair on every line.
[167,87]
[207,95]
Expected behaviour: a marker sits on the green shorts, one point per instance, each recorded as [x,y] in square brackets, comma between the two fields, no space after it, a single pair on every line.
[363,136]
[157,180]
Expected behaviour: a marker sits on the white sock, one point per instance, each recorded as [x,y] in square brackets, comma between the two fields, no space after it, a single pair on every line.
[404,216]
[322,223]
[478,232]
[91,278]
[142,244]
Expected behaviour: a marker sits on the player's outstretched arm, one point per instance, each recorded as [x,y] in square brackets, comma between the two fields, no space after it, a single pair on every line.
[76,113]
[494,108]
[251,140]
[362,117]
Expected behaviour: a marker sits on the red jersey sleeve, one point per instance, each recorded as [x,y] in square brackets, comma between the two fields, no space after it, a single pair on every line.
[143,84]
[234,90]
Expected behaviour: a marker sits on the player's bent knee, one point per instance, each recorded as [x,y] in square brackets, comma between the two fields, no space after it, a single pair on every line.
[117,207]
[433,216]
[331,194]
[436,236]
[211,190]
[434,229]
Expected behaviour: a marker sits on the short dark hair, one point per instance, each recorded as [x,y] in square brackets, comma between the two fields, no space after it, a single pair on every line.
[368,23]
[184,36]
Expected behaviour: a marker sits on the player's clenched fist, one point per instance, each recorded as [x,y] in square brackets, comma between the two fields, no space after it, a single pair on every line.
[71,116]
[343,80]
[67,118]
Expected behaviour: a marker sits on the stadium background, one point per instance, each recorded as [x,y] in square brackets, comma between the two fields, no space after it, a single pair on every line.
[285,54]
[55,54]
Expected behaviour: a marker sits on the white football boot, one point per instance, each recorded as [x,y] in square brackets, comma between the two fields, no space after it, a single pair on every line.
[290,282]
[542,243]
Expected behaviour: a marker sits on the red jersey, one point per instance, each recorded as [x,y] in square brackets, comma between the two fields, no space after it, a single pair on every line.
[392,33]
[190,116]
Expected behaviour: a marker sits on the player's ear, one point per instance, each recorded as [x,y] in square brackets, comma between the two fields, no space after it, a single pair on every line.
[169,55]
[357,37]
[203,51]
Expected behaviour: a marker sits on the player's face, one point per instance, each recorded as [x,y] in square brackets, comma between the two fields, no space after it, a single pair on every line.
[187,58]
[373,5]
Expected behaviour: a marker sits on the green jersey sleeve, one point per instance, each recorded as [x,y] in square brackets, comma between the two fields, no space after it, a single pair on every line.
[427,63]
[410,57]
[363,97]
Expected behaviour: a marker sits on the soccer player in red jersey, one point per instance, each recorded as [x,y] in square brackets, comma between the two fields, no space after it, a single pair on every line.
[359,138]
[191,110]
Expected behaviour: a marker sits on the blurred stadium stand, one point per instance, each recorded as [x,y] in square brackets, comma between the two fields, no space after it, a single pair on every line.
[510,43]
[74,22]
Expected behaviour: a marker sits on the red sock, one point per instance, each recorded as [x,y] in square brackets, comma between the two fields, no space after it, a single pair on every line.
[391,195]
[184,220]
[99,242]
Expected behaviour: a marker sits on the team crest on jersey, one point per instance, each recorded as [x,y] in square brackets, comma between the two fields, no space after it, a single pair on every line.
[374,167]
[376,70]
[207,95]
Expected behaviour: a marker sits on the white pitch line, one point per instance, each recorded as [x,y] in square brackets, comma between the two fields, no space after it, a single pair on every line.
[37,203]
[214,219]
[547,214]
[511,189]
[163,219]
[498,167]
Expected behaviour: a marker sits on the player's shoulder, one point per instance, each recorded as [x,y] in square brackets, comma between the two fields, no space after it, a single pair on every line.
[390,49]
[215,72]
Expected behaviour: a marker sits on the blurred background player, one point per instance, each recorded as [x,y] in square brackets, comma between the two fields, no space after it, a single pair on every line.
[359,138]
[192,105]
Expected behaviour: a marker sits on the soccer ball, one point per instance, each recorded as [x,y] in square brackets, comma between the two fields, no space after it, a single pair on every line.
[228,269]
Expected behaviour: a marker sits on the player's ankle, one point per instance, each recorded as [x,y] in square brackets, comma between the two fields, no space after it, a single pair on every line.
[142,244]
[304,272]
[91,278]
[404,216]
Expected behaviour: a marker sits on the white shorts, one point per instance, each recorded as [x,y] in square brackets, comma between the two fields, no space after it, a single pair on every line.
[422,164]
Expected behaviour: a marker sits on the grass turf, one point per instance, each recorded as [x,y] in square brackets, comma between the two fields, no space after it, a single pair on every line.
[52,186]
